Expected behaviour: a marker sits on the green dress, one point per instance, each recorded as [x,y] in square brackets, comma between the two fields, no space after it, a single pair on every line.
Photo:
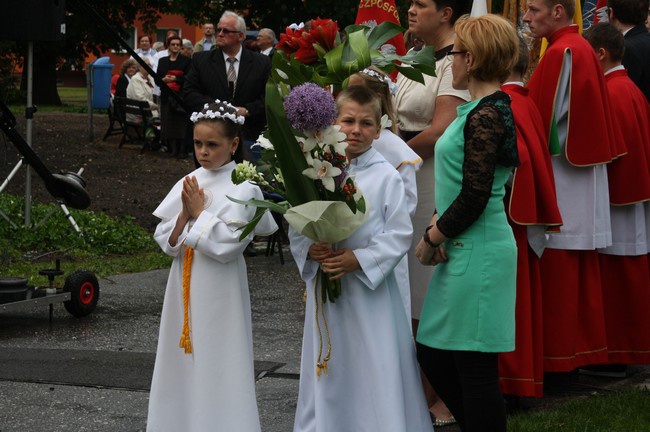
[470,302]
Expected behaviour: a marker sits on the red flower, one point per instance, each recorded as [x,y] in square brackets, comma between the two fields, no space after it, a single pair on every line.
[324,32]
[306,54]
[289,40]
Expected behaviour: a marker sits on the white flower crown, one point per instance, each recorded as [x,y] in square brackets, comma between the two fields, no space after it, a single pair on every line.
[221,114]
[392,87]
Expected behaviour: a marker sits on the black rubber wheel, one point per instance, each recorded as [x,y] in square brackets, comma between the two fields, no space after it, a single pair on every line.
[84,293]
[12,282]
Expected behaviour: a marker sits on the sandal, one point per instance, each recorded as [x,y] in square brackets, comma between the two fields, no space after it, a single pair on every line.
[442,423]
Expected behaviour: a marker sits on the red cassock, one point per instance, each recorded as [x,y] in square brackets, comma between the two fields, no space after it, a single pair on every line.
[589,137]
[530,201]
[626,278]
[629,175]
[573,316]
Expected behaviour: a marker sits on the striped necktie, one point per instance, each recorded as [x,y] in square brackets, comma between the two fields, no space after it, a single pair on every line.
[232,75]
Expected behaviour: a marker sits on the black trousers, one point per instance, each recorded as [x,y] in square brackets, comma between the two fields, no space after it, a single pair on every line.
[468,383]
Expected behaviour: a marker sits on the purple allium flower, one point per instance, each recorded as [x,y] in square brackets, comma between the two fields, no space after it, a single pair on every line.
[310,107]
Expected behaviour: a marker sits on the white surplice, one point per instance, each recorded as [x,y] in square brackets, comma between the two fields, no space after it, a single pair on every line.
[213,388]
[407,163]
[373,382]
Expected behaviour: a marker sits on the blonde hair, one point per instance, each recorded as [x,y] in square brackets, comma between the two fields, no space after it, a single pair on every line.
[363,96]
[381,88]
[493,43]
[127,64]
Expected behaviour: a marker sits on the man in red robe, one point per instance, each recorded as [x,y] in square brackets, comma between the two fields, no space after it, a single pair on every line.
[624,265]
[532,210]
[569,89]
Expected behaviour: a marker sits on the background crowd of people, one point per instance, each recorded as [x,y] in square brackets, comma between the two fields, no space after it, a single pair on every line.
[171,60]
[508,227]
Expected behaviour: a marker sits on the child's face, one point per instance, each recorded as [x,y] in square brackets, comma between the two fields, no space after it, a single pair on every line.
[211,146]
[359,125]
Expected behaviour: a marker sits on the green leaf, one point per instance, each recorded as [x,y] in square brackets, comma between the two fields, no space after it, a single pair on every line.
[250,226]
[264,204]
[333,61]
[411,73]
[359,45]
[382,33]
[355,27]
[319,50]
[361,205]
[292,162]
[281,64]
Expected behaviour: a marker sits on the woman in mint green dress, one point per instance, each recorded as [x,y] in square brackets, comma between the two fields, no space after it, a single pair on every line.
[469,311]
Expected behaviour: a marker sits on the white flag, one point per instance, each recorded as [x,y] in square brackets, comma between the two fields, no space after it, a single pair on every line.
[479,7]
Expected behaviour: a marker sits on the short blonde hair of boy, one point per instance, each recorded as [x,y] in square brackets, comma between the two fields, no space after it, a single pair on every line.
[361,95]
[492,41]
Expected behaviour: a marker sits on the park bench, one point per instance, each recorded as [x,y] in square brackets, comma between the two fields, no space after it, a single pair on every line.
[115,121]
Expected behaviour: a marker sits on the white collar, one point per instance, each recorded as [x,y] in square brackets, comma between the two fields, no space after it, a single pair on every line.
[614,69]
[237,56]
[518,83]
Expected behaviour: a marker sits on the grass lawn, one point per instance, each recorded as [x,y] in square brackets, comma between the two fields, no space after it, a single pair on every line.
[74,100]
[73,95]
[626,410]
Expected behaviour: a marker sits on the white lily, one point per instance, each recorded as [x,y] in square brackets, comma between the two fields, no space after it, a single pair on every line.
[386,123]
[323,171]
[263,143]
[333,136]
[308,142]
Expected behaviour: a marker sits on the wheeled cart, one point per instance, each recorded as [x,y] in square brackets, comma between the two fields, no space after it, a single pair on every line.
[79,295]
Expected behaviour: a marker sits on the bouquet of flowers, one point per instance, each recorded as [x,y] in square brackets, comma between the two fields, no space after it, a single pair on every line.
[304,169]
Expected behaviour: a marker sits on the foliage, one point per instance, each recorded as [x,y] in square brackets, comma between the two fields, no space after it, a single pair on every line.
[101,235]
[102,266]
[333,60]
[9,91]
[84,36]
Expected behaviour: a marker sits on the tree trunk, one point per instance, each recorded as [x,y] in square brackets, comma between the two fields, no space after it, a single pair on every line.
[44,79]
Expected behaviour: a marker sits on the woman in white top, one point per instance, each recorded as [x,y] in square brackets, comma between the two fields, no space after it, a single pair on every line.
[141,88]
[424,111]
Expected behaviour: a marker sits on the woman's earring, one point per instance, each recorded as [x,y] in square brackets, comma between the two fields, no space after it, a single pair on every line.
[233,152]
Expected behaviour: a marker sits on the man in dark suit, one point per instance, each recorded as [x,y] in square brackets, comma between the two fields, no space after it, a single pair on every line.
[231,73]
[266,41]
[629,17]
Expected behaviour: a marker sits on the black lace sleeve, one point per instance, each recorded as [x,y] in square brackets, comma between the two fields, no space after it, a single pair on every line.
[489,140]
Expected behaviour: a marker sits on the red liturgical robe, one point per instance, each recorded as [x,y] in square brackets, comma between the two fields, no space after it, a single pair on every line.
[589,139]
[629,175]
[532,201]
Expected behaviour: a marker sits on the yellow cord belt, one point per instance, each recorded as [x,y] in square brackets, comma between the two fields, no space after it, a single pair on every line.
[186,342]
[321,363]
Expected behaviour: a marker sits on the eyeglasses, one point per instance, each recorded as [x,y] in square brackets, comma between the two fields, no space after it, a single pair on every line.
[226,31]
[451,54]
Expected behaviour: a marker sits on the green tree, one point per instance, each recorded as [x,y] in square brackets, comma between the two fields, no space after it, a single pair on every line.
[85,36]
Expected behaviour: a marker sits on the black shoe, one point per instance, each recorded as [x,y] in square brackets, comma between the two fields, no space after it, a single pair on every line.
[250,251]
